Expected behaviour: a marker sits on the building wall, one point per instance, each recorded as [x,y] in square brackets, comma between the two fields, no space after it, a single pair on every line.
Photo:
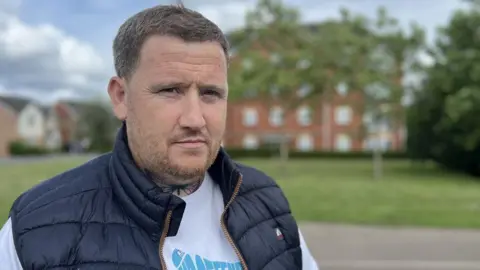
[31,125]
[325,132]
[237,130]
[53,139]
[8,124]
[66,122]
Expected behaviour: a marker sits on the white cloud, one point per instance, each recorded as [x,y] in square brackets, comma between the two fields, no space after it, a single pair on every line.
[44,61]
[227,15]
[41,59]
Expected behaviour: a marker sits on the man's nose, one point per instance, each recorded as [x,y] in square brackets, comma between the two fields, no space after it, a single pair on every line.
[192,113]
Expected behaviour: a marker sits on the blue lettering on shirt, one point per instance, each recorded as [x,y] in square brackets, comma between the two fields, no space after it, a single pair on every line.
[185,261]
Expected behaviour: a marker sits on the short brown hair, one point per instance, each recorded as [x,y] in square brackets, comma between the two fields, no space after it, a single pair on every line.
[168,20]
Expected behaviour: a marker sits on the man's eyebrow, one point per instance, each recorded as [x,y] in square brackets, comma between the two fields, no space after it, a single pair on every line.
[166,85]
[203,87]
[211,87]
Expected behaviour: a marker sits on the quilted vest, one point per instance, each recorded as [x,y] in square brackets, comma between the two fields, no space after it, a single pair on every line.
[106,214]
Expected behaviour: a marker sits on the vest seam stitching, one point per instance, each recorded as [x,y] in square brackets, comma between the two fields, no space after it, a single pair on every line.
[276,256]
[245,192]
[56,200]
[262,221]
[77,222]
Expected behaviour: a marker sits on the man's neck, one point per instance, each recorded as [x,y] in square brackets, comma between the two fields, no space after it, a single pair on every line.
[181,190]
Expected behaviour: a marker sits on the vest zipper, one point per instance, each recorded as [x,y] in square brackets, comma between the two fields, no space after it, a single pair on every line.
[224,227]
[163,237]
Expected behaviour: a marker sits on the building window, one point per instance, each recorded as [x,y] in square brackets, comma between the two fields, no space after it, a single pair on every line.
[250,142]
[276,116]
[343,143]
[342,89]
[304,116]
[31,120]
[368,118]
[274,91]
[380,142]
[305,142]
[250,117]
[343,115]
[304,90]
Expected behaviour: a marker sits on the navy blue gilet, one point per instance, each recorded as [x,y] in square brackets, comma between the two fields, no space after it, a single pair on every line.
[106,214]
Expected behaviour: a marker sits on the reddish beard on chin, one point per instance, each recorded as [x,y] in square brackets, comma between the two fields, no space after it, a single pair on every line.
[175,170]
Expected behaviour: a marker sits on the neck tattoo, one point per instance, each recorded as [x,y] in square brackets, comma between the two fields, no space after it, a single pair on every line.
[181,190]
[177,189]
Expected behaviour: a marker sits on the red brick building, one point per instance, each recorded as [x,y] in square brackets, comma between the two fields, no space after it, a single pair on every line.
[330,126]
[336,124]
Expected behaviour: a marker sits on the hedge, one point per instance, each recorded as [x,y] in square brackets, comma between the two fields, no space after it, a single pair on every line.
[19,148]
[269,153]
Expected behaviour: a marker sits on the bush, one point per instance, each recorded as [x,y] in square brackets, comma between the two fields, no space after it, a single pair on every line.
[19,148]
[269,153]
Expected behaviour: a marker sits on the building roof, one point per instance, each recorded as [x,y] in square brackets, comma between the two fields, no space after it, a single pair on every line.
[78,107]
[16,103]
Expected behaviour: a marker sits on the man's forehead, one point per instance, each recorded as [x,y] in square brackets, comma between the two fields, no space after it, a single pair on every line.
[170,49]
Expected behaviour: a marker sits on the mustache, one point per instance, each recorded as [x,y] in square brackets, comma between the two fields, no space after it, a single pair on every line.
[191,135]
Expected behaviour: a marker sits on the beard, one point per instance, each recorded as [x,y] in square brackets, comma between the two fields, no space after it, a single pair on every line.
[167,166]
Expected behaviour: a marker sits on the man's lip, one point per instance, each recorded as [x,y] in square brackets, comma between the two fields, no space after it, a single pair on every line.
[191,141]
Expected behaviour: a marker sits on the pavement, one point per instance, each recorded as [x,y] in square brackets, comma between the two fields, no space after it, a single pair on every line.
[345,247]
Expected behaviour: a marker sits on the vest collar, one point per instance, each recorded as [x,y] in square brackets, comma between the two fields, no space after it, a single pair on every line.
[145,202]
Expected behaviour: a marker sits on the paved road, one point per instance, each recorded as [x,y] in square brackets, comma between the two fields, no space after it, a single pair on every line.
[343,247]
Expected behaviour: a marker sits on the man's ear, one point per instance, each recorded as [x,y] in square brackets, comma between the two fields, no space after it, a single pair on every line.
[116,91]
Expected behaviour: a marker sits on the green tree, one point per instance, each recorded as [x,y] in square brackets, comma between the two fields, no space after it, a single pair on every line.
[451,96]
[271,54]
[98,125]
[392,55]
[277,56]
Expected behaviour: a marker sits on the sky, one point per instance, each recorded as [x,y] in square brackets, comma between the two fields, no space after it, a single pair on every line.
[58,49]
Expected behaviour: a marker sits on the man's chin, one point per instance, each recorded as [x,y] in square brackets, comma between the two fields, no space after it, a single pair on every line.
[193,164]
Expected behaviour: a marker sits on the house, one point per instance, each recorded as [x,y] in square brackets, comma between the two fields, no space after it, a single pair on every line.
[53,138]
[69,115]
[34,124]
[8,130]
[30,119]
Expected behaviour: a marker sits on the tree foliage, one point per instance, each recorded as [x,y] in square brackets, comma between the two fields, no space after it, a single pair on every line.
[277,55]
[98,124]
[445,117]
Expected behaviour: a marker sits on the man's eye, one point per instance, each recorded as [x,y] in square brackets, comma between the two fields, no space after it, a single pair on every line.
[170,90]
[212,93]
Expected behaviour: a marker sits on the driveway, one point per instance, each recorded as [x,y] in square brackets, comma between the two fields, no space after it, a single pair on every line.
[344,247]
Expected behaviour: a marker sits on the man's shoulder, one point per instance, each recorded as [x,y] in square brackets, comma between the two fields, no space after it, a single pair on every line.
[254,178]
[86,177]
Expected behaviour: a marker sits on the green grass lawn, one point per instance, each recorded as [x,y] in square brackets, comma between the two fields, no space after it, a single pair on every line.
[329,190]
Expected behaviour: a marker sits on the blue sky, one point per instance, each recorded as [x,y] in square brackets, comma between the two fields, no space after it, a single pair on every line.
[53,49]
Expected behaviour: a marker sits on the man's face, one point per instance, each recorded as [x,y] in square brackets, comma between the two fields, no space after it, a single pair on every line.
[175,107]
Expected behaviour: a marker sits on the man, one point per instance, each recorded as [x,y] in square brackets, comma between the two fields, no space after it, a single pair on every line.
[167,196]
